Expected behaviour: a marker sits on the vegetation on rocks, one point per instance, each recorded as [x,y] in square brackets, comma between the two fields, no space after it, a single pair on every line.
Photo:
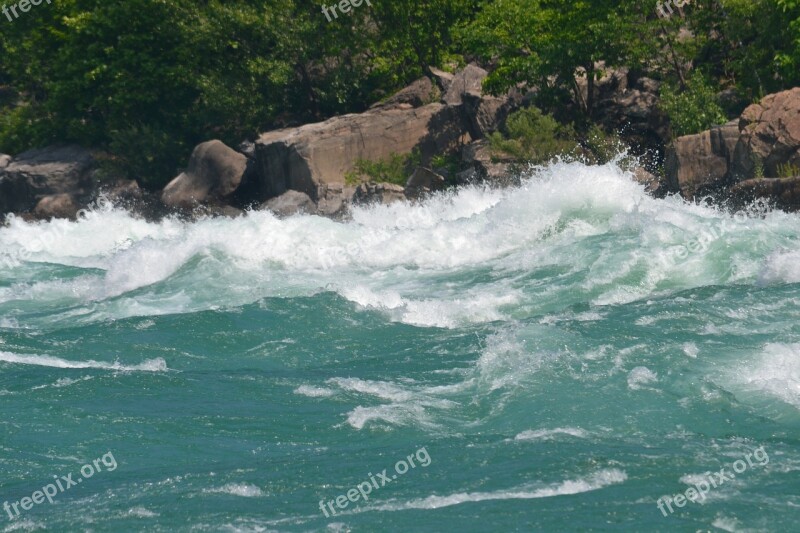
[147,80]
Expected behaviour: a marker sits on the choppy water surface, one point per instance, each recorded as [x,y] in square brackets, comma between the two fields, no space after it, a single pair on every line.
[564,353]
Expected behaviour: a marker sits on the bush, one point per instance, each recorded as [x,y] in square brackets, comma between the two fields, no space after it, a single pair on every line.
[147,154]
[533,137]
[694,109]
[601,147]
[396,169]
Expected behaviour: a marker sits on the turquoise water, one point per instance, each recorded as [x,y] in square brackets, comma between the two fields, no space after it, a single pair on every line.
[554,357]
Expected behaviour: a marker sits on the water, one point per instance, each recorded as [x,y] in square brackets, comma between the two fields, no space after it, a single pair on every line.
[553,357]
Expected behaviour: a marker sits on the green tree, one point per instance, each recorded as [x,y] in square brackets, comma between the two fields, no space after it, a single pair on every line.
[548,43]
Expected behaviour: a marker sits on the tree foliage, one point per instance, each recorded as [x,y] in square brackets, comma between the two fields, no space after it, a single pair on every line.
[148,79]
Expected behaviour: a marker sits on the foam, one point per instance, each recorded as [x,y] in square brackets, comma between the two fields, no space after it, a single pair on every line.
[408,405]
[150,365]
[314,392]
[243,490]
[596,481]
[569,234]
[552,434]
[640,377]
[776,372]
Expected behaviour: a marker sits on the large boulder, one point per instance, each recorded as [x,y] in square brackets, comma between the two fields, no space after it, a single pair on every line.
[290,203]
[213,175]
[5,160]
[651,182]
[629,105]
[32,175]
[470,79]
[443,79]
[378,193]
[770,136]
[56,206]
[699,164]
[783,192]
[486,114]
[486,166]
[315,158]
[423,181]
[419,93]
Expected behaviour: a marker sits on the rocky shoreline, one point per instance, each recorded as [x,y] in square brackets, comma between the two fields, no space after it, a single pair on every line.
[314,168]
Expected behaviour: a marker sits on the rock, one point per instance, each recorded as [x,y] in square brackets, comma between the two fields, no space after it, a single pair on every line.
[485,166]
[422,181]
[5,160]
[443,79]
[468,80]
[42,172]
[486,114]
[334,199]
[698,164]
[290,203]
[631,108]
[121,191]
[380,193]
[770,132]
[214,173]
[421,92]
[783,192]
[248,149]
[315,158]
[651,182]
[220,211]
[56,206]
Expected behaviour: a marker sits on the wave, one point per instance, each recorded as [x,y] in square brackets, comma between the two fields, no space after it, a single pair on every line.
[243,490]
[552,434]
[569,234]
[150,365]
[598,480]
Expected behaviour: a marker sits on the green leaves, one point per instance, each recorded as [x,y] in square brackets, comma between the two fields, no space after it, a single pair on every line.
[694,109]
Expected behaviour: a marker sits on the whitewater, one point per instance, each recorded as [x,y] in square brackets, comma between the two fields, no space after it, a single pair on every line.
[568,351]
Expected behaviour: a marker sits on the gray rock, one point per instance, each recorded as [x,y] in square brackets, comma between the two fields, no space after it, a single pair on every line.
[485,167]
[698,164]
[782,192]
[378,193]
[468,80]
[315,158]
[5,160]
[290,203]
[32,175]
[213,175]
[422,181]
[56,206]
[651,182]
[421,92]
[486,114]
[443,79]
[770,133]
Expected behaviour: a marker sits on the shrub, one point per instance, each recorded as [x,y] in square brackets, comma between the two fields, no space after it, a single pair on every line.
[788,170]
[694,109]
[533,137]
[147,154]
[396,169]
